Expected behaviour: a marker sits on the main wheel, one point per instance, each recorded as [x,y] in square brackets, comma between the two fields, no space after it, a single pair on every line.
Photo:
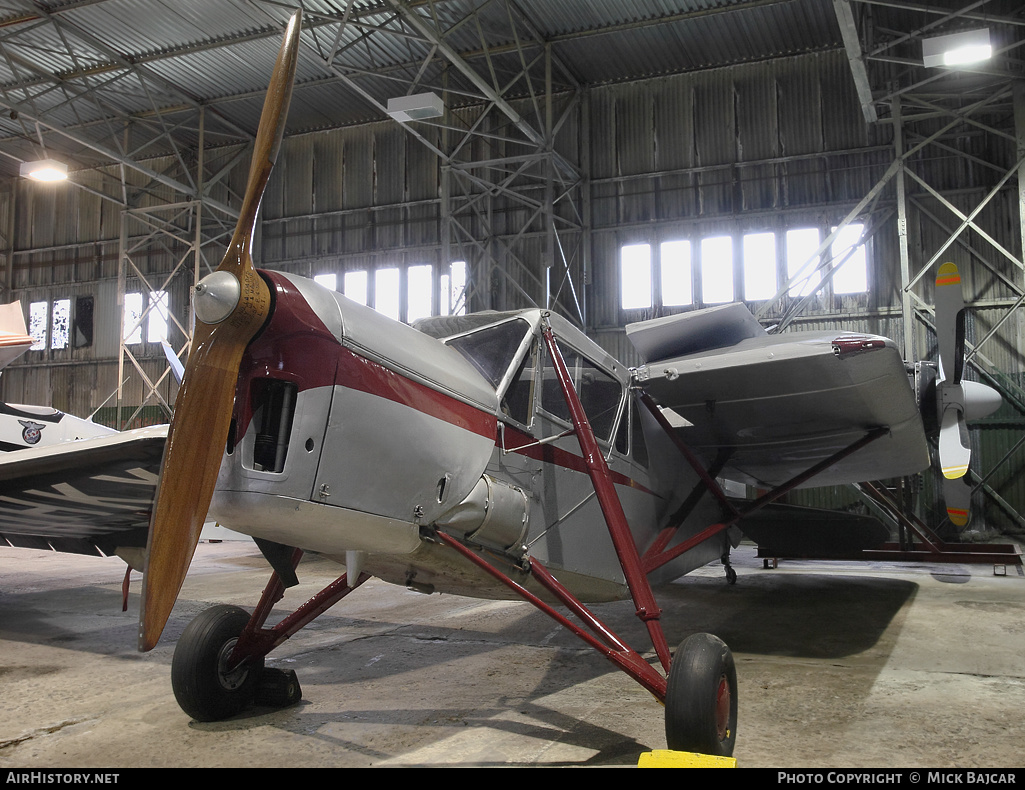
[203,684]
[701,697]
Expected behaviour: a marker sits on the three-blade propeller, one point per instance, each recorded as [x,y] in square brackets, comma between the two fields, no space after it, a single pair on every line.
[231,306]
[957,400]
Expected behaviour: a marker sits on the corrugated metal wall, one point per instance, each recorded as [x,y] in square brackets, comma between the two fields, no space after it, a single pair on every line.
[758,147]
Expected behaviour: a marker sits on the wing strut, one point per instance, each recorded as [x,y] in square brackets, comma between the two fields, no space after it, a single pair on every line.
[647,608]
[656,556]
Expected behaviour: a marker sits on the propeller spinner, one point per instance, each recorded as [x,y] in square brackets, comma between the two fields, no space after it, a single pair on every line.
[957,400]
[231,306]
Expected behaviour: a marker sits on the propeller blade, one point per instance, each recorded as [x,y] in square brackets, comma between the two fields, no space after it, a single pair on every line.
[231,306]
[950,322]
[957,496]
[955,453]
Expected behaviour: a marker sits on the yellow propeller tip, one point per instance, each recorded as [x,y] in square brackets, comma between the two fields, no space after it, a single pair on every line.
[957,517]
[948,275]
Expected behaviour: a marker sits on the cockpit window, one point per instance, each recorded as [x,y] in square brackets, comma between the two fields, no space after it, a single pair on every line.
[600,394]
[492,349]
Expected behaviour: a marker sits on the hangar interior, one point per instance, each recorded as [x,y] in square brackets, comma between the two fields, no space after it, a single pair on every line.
[611,161]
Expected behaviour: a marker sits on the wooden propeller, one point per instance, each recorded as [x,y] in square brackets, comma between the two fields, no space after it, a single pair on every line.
[231,305]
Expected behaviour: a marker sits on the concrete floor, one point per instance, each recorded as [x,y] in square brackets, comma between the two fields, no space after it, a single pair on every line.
[839,665]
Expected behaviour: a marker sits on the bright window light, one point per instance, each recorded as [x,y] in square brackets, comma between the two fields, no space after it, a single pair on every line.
[453,289]
[717,269]
[37,315]
[852,276]
[635,276]
[355,285]
[329,281]
[456,290]
[419,288]
[760,280]
[157,317]
[677,277]
[132,318]
[801,246]
[61,323]
[386,292]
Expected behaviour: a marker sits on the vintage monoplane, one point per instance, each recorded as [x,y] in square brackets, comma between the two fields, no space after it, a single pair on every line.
[498,454]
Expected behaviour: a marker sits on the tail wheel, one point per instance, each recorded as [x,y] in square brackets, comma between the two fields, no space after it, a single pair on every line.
[205,686]
[278,688]
[701,697]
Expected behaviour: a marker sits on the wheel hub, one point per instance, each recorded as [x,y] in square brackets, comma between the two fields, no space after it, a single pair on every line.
[722,709]
[230,679]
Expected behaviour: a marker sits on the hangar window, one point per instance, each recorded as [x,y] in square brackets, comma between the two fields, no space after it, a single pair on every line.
[329,280]
[453,289]
[717,269]
[156,320]
[83,332]
[760,280]
[133,318]
[38,313]
[744,267]
[635,276]
[355,286]
[149,315]
[386,292]
[677,275]
[419,290]
[848,251]
[803,261]
[61,324]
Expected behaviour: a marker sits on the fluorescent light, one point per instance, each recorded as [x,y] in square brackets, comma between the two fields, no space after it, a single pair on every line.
[416,107]
[45,170]
[957,49]
[970,54]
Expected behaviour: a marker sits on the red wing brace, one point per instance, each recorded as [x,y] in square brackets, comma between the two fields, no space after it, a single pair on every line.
[656,556]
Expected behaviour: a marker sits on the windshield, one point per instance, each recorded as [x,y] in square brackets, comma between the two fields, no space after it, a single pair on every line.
[491,350]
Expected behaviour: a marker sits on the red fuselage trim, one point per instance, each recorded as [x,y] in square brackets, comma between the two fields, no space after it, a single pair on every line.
[296,346]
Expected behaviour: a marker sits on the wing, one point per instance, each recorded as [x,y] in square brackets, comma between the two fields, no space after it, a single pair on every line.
[92,496]
[768,407]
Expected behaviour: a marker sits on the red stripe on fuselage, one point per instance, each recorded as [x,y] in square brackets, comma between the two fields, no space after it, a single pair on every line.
[296,346]
[550,454]
[363,375]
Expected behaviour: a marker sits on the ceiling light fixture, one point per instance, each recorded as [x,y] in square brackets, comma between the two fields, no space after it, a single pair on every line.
[416,107]
[45,170]
[957,49]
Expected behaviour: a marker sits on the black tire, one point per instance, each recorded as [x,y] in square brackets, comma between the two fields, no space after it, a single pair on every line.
[701,697]
[202,686]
